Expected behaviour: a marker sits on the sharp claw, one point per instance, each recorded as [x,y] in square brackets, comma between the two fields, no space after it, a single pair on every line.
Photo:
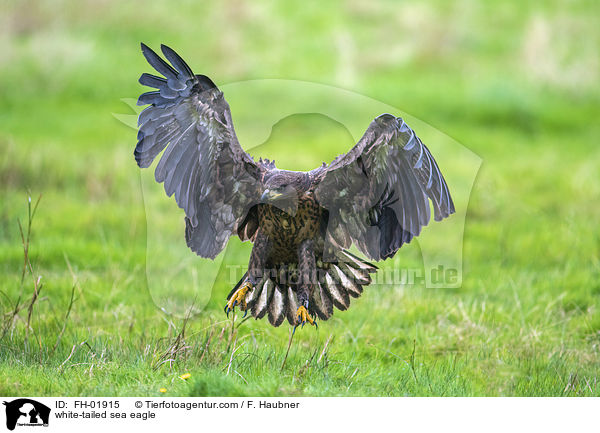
[303,316]
[245,313]
[238,298]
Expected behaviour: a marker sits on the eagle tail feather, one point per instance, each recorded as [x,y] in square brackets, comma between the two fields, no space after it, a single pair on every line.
[337,282]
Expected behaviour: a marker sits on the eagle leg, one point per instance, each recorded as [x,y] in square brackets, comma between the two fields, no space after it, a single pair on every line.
[307,276]
[256,269]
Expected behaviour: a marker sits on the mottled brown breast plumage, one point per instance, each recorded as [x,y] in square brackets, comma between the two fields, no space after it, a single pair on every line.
[287,231]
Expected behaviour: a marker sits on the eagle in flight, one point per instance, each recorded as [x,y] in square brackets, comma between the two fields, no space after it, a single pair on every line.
[376,197]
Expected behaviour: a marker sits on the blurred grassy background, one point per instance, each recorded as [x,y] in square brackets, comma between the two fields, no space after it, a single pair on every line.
[515,82]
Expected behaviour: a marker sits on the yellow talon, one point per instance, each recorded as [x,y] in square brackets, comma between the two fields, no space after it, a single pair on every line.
[238,298]
[303,316]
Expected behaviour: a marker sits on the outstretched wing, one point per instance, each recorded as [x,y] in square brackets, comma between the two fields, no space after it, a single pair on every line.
[378,193]
[214,181]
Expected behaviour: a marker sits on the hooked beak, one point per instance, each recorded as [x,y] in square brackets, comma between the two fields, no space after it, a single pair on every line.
[269,195]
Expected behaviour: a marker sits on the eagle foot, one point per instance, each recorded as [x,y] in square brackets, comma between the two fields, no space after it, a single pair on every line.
[302,317]
[238,298]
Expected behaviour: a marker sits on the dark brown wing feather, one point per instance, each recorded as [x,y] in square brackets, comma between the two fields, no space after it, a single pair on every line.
[214,181]
[378,193]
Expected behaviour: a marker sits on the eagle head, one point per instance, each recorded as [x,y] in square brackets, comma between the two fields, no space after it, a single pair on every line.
[283,188]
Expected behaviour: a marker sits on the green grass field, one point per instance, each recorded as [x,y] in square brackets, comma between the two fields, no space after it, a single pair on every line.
[516,85]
